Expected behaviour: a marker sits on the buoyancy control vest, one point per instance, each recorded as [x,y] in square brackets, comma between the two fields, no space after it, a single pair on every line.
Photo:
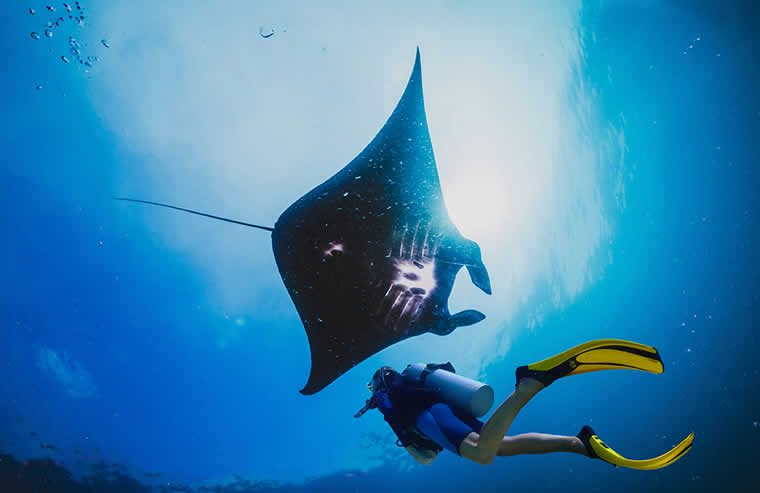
[402,397]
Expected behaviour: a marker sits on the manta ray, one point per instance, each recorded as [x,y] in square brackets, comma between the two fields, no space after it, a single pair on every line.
[369,257]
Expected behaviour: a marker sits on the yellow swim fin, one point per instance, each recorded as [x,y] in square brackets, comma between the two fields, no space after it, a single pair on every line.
[597,449]
[602,354]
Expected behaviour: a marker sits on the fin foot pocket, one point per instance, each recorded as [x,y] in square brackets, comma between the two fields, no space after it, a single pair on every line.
[597,449]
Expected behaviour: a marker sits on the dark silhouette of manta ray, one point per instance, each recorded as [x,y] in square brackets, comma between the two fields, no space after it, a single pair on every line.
[369,257]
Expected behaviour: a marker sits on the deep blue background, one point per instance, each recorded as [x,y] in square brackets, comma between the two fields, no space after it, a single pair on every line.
[684,278]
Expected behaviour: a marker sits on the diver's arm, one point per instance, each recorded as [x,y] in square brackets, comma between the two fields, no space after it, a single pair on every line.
[424,457]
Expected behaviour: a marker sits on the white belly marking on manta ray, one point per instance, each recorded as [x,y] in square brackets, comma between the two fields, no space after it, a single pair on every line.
[414,281]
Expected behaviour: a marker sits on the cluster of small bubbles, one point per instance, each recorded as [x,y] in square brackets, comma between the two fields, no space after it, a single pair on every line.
[60,20]
[691,46]
[74,45]
[75,49]
[77,52]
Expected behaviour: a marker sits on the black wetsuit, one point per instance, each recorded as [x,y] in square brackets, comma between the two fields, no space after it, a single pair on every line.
[401,404]
[420,418]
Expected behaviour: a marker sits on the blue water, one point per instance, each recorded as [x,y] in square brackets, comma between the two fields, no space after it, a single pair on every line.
[166,345]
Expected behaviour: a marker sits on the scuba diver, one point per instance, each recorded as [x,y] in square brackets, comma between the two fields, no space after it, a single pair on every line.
[430,408]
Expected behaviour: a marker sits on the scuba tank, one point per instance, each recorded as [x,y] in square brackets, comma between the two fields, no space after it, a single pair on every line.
[475,398]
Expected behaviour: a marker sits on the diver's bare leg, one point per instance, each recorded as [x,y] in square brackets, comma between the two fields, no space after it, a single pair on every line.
[484,447]
[539,443]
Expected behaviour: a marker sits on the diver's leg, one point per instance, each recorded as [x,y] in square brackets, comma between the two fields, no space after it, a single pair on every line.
[483,447]
[539,443]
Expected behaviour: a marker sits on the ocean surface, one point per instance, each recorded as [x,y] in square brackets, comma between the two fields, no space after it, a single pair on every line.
[604,154]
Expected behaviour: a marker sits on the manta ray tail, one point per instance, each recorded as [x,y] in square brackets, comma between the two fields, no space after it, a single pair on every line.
[265,228]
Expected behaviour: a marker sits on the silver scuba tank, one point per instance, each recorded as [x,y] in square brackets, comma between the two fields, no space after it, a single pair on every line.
[461,392]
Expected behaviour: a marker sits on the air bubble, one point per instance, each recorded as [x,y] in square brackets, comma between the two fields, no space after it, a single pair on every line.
[64,59]
[105,43]
[35,36]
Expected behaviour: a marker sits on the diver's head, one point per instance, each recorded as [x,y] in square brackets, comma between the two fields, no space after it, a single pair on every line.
[380,379]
